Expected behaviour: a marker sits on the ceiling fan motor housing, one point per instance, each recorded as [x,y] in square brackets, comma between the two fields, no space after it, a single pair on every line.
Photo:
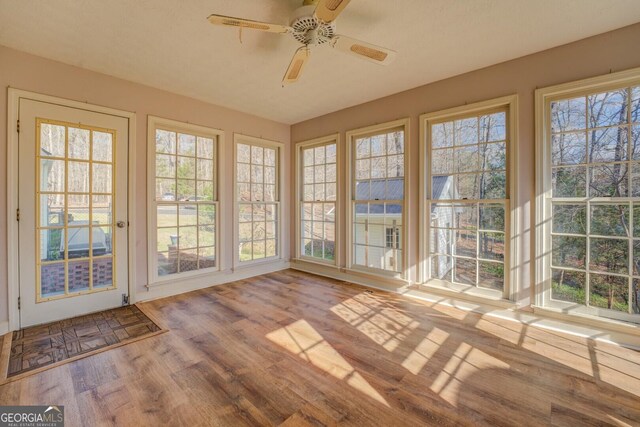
[309,30]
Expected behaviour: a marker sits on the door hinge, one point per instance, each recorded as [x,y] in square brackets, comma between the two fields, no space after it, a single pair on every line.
[125,299]
[19,303]
[17,214]
[18,126]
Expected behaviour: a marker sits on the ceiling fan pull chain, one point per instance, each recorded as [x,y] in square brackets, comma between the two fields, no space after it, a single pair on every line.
[240,33]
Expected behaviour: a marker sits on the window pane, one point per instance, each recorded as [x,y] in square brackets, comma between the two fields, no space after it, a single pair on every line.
[569,251]
[491,275]
[466,131]
[464,271]
[608,180]
[167,215]
[492,217]
[571,219]
[186,168]
[165,189]
[610,292]
[568,286]
[493,127]
[442,161]
[610,220]
[165,166]
[205,148]
[165,142]
[569,115]
[442,135]
[609,255]
[244,153]
[569,181]
[569,148]
[186,145]
[608,108]
[608,145]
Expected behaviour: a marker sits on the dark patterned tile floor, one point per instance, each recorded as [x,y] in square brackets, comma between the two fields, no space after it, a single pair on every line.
[43,345]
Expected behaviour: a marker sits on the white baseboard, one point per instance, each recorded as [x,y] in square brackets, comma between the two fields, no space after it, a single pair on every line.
[171,288]
[353,276]
[626,336]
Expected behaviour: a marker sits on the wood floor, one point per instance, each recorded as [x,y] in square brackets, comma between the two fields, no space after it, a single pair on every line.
[293,349]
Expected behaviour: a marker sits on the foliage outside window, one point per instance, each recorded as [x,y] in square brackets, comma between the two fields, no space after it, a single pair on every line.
[595,205]
[185,202]
[378,199]
[257,196]
[318,206]
[467,161]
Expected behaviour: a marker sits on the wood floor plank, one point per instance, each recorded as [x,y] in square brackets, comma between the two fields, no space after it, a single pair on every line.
[294,349]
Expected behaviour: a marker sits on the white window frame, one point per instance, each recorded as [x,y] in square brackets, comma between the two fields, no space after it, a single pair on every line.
[217,135]
[299,147]
[543,99]
[280,157]
[512,233]
[351,137]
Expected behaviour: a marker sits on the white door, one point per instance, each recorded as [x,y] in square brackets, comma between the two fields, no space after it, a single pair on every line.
[72,211]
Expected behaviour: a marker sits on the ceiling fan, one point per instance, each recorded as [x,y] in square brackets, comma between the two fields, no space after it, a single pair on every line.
[312,25]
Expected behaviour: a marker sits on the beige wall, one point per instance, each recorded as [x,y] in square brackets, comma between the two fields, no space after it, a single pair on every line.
[28,72]
[613,51]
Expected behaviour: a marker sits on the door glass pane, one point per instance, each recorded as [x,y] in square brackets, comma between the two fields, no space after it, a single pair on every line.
[52,140]
[102,147]
[79,143]
[75,214]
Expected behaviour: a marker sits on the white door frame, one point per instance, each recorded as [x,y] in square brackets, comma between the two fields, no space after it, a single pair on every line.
[13,270]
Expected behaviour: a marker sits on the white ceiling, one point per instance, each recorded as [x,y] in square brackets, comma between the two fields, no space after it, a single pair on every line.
[169,44]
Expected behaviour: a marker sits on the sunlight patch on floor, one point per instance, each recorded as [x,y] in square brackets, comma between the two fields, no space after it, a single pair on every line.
[384,325]
[302,339]
[419,356]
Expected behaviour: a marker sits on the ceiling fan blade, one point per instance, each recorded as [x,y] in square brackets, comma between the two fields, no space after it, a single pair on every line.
[364,50]
[297,64]
[328,10]
[230,21]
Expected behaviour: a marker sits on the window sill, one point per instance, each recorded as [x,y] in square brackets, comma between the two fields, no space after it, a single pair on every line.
[469,293]
[588,320]
[241,265]
[315,262]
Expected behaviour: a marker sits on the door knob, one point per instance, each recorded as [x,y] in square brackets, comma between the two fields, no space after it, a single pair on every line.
[120,224]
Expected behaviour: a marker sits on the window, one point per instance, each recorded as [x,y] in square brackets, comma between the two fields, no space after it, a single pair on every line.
[466,184]
[183,167]
[317,207]
[592,140]
[377,198]
[257,192]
